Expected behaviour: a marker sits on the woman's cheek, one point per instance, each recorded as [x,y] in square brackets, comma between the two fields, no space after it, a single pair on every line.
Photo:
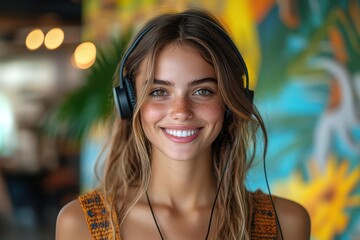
[151,112]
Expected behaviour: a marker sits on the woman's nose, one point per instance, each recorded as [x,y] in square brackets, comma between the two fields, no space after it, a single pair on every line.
[181,108]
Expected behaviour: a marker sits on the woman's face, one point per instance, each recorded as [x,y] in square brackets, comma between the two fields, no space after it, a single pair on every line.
[183,112]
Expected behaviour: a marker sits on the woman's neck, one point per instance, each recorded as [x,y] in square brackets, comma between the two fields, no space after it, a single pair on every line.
[182,184]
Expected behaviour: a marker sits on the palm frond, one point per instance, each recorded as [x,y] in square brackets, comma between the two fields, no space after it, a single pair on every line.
[92,102]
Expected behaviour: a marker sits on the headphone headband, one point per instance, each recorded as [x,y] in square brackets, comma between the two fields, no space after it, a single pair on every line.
[129,51]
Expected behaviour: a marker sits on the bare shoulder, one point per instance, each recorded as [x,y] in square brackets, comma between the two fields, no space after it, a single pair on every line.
[71,223]
[294,219]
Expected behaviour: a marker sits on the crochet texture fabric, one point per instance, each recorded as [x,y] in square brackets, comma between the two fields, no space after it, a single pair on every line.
[97,216]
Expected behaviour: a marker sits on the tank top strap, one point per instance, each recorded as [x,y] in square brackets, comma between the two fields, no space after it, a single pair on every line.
[97,216]
[263,225]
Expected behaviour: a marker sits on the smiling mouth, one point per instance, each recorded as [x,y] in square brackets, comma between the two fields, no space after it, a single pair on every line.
[181,133]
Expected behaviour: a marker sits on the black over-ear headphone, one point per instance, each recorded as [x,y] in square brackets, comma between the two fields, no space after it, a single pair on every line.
[124,94]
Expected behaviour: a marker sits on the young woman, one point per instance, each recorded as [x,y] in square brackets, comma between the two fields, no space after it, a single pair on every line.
[177,161]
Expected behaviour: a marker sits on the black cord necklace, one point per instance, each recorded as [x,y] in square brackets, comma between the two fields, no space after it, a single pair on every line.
[212,208]
[158,227]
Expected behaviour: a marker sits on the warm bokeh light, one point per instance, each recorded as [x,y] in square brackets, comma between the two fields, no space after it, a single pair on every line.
[85,55]
[34,39]
[54,38]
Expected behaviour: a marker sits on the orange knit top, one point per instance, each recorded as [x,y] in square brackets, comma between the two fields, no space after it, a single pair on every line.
[263,224]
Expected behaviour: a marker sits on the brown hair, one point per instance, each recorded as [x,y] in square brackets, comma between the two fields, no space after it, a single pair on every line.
[128,160]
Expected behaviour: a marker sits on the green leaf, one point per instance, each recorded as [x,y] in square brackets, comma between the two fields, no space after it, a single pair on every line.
[92,102]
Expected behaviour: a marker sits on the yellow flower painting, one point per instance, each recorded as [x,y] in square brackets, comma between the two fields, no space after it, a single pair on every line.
[327,195]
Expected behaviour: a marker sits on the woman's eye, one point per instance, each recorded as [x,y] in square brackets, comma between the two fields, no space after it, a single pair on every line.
[203,92]
[158,93]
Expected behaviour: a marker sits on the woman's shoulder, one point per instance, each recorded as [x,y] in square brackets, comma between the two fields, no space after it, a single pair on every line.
[80,218]
[71,223]
[294,219]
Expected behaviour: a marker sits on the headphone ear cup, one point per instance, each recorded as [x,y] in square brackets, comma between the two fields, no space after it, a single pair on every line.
[250,95]
[125,99]
[130,92]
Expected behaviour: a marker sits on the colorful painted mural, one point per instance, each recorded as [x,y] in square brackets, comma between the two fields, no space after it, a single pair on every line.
[304,64]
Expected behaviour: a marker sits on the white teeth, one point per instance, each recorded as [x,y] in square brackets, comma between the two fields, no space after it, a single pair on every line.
[181,133]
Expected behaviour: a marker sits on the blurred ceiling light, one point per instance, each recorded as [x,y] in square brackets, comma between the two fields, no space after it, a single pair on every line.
[34,39]
[54,38]
[85,55]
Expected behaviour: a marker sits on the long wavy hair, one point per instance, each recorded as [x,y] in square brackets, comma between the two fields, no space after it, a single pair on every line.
[128,165]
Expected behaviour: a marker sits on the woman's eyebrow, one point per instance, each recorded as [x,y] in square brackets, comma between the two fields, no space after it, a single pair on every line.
[163,82]
[160,82]
[202,80]
[192,83]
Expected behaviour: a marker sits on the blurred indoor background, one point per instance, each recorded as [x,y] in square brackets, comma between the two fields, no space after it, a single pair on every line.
[57,60]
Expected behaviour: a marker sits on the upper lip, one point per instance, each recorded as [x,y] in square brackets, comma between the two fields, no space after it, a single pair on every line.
[181,128]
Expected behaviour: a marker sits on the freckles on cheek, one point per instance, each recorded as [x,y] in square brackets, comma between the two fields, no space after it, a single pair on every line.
[150,113]
[214,111]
